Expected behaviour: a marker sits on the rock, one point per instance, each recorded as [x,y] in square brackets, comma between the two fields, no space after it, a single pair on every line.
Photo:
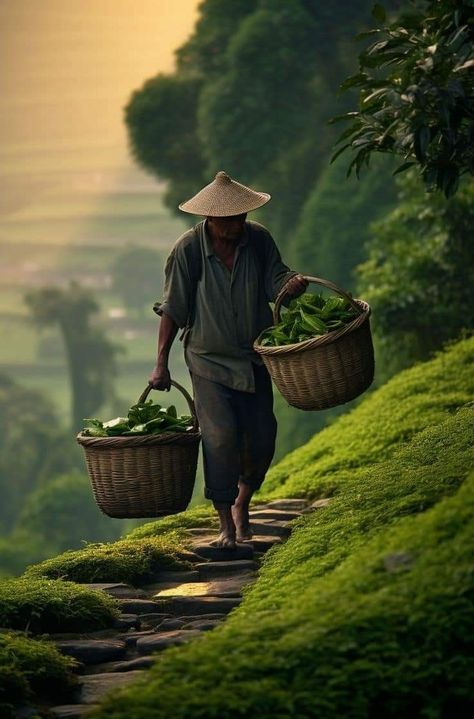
[270,527]
[163,640]
[118,590]
[207,551]
[209,570]
[185,576]
[70,711]
[94,686]
[131,637]
[92,651]
[153,618]
[168,624]
[203,617]
[263,544]
[198,531]
[320,503]
[291,505]
[203,625]
[184,606]
[278,514]
[225,587]
[138,606]
[127,621]
[127,665]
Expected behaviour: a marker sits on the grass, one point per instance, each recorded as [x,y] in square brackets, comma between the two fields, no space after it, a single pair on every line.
[131,561]
[417,398]
[201,516]
[45,605]
[366,611]
[32,670]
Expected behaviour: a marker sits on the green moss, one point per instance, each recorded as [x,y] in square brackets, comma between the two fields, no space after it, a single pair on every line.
[32,670]
[129,561]
[201,516]
[45,605]
[417,398]
[389,632]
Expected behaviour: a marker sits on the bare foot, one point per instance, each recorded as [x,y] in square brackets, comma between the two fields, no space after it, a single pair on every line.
[240,514]
[224,541]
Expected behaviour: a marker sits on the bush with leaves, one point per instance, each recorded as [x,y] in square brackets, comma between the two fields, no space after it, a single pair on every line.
[416,85]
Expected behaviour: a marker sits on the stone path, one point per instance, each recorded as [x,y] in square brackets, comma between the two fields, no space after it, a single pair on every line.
[173,610]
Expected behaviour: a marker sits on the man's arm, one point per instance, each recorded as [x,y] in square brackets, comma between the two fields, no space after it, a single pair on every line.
[160,378]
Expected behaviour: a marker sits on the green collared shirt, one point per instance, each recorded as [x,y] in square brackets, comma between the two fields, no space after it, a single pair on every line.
[231,306]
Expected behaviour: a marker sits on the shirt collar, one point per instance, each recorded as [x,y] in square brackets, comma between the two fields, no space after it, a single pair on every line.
[208,244]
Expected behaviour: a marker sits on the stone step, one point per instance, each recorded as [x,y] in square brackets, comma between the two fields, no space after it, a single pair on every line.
[204,617]
[92,651]
[173,576]
[163,640]
[270,527]
[126,665]
[118,590]
[198,531]
[168,625]
[211,570]
[71,711]
[226,587]
[138,606]
[203,625]
[153,619]
[184,606]
[131,638]
[219,554]
[127,621]
[93,687]
[262,544]
[292,505]
[277,514]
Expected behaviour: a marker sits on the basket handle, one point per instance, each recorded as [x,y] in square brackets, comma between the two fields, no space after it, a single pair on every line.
[187,397]
[325,283]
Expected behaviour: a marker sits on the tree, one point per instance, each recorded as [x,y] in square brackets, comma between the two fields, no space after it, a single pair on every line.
[91,356]
[137,276]
[416,98]
[33,447]
[419,276]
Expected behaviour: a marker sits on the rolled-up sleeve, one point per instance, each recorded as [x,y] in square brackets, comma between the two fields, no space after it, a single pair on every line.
[276,272]
[176,293]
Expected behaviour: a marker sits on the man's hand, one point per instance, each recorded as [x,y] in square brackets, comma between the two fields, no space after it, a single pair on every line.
[160,378]
[296,286]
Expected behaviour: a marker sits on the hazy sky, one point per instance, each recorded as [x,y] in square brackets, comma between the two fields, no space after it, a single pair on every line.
[67,67]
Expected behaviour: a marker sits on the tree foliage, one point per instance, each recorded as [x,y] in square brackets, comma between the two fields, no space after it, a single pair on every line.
[416,83]
[419,276]
[91,356]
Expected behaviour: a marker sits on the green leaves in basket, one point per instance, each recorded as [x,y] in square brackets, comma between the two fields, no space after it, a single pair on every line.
[143,418]
[309,316]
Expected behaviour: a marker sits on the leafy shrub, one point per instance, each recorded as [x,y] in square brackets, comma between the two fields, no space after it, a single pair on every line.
[130,561]
[32,669]
[44,605]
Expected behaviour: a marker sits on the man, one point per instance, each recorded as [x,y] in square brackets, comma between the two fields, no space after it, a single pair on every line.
[219,279]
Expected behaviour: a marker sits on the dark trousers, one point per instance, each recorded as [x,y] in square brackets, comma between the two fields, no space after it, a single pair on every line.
[238,434]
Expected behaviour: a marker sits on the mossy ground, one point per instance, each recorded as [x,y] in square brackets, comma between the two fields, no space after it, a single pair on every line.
[47,605]
[366,611]
[201,516]
[32,671]
[130,561]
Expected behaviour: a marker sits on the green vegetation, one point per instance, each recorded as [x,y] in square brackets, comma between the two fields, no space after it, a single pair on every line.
[413,400]
[32,670]
[367,609]
[202,516]
[309,316]
[144,418]
[415,99]
[133,562]
[419,274]
[44,605]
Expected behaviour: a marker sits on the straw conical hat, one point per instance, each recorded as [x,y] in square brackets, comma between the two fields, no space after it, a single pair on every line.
[224,197]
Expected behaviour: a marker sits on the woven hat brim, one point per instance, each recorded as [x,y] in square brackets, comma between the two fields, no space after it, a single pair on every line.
[224,197]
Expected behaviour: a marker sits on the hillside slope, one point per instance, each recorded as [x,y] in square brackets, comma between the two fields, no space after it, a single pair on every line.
[366,611]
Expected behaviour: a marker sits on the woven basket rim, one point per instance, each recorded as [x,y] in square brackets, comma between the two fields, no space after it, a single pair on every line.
[140,440]
[311,343]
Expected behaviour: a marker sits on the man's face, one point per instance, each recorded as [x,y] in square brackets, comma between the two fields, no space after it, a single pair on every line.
[228,228]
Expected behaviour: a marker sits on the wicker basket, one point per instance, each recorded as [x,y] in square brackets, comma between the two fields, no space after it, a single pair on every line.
[143,476]
[325,371]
